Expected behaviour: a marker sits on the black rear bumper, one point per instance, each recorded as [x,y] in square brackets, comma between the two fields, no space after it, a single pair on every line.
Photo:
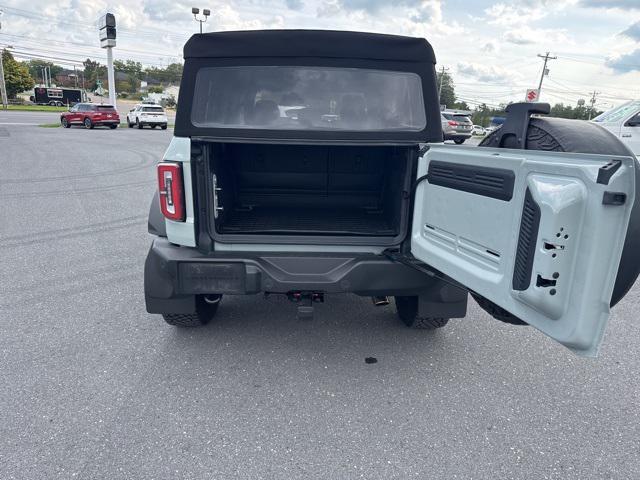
[173,275]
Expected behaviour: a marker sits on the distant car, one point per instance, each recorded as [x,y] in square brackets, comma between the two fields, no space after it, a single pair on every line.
[478,130]
[91,115]
[147,114]
[456,127]
[489,129]
[624,122]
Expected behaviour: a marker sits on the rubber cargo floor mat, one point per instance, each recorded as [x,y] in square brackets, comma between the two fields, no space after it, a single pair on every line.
[300,221]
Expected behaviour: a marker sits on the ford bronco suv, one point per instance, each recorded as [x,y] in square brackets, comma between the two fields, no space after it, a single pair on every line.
[307,163]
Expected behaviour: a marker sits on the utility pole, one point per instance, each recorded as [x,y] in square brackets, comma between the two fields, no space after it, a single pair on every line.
[3,85]
[593,102]
[444,70]
[544,71]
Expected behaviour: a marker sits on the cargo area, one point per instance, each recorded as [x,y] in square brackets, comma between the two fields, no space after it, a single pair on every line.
[311,190]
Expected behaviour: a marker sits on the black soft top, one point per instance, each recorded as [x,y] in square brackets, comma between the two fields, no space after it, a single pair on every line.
[309,43]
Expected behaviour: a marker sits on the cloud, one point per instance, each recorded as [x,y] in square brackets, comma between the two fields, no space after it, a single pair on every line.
[620,4]
[487,73]
[625,63]
[167,10]
[633,31]
[294,4]
[490,47]
[530,36]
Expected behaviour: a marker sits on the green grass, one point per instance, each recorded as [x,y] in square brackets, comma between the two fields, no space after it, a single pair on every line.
[37,108]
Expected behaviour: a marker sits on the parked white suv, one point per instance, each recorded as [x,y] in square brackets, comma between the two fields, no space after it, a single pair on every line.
[147,114]
[624,122]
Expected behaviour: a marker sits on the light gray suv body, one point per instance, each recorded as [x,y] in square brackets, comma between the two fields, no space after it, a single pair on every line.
[311,163]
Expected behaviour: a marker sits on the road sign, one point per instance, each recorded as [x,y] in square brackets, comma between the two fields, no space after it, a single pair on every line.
[532,95]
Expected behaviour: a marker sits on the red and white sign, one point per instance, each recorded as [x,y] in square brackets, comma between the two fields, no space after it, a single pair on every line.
[532,95]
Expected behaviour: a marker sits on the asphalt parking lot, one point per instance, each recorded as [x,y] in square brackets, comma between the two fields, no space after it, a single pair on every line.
[94,387]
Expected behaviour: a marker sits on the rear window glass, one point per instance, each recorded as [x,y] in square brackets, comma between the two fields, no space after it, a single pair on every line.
[153,109]
[102,108]
[308,98]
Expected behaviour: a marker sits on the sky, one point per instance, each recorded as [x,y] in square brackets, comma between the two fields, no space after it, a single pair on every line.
[489,47]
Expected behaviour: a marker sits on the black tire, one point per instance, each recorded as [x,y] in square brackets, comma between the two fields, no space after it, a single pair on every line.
[138,124]
[459,141]
[407,308]
[578,136]
[129,124]
[205,311]
[88,123]
[153,126]
[163,127]
[65,123]
[113,126]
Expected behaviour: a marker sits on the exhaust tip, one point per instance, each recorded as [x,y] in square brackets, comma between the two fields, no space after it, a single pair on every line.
[380,301]
[211,299]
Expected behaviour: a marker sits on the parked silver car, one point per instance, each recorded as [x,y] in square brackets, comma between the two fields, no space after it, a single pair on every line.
[456,127]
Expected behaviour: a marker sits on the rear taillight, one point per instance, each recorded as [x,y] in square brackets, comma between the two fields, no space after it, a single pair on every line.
[171,191]
[452,123]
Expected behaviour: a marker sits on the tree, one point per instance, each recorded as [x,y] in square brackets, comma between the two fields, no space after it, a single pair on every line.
[16,75]
[171,74]
[131,68]
[93,72]
[35,68]
[447,93]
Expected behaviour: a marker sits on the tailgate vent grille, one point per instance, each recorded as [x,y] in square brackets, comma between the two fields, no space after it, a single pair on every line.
[527,239]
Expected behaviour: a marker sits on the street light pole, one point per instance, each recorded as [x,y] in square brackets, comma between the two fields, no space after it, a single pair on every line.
[195,11]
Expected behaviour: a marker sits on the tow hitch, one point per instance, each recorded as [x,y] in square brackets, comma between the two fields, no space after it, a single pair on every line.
[305,301]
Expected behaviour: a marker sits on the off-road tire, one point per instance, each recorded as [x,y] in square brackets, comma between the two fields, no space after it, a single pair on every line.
[407,308]
[203,315]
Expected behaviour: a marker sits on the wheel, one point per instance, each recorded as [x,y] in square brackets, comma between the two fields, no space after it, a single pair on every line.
[163,127]
[407,308]
[113,126]
[459,141]
[206,308]
[88,123]
[65,123]
[576,136]
[138,124]
[129,124]
[153,126]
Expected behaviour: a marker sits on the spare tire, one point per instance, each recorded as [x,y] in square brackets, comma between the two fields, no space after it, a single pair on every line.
[578,136]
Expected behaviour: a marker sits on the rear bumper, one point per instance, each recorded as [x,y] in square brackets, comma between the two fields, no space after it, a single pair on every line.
[457,136]
[173,275]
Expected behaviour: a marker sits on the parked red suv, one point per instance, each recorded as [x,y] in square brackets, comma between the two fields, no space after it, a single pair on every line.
[90,115]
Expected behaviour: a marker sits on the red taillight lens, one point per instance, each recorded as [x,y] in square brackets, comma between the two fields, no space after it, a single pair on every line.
[452,123]
[171,190]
